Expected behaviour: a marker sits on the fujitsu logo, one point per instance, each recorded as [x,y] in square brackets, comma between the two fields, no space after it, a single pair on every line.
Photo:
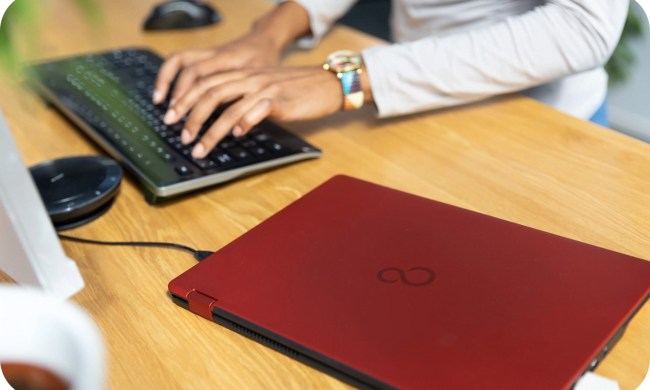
[413,277]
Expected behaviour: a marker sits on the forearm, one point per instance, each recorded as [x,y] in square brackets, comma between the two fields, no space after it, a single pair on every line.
[557,39]
[284,24]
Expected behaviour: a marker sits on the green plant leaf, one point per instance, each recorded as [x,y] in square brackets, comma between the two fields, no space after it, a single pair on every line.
[26,15]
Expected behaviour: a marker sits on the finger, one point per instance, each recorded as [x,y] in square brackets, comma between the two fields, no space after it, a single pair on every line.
[207,104]
[190,74]
[170,68]
[182,105]
[215,96]
[253,79]
[233,117]
[260,111]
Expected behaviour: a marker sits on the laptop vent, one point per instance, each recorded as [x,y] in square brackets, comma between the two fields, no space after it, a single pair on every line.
[262,339]
[356,379]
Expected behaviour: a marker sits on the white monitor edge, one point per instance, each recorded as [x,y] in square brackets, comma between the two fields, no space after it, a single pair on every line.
[30,251]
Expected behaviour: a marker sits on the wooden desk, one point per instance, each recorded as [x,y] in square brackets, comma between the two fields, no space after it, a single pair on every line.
[512,158]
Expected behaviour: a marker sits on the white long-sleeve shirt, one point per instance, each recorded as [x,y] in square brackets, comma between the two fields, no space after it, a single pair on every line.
[451,52]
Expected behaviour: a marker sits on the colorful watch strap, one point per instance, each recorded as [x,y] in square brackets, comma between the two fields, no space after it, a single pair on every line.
[352,93]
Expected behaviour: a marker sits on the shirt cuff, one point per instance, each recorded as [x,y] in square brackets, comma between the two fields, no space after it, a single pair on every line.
[322,15]
[318,24]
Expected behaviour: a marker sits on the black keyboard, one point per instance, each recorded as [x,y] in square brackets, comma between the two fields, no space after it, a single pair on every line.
[108,95]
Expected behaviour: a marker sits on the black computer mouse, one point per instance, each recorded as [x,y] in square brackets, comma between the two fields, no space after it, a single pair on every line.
[180,14]
[77,190]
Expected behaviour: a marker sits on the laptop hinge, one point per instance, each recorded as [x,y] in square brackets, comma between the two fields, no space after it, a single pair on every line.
[201,304]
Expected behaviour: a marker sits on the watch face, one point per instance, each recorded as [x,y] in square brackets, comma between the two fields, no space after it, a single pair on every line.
[343,61]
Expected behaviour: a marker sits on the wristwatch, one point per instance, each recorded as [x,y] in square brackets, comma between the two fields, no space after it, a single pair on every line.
[346,64]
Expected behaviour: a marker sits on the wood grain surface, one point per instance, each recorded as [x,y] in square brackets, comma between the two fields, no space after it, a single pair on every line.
[512,158]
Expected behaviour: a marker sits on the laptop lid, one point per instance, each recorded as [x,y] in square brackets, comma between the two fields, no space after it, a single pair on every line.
[386,289]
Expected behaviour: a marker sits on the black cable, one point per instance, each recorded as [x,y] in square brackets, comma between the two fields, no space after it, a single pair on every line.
[198,254]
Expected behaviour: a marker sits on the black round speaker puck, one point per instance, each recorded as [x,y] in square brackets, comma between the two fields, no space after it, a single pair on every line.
[77,190]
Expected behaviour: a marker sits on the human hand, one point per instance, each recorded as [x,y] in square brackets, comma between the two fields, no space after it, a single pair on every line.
[252,50]
[281,93]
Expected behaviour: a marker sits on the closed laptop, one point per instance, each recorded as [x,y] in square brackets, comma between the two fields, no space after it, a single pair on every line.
[386,289]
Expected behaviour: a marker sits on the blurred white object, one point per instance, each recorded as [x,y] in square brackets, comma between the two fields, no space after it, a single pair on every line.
[645,385]
[42,331]
[30,251]
[4,4]
[592,381]
[4,385]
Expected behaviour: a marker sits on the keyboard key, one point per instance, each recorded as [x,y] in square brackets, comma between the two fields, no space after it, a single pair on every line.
[239,153]
[221,156]
[259,151]
[183,170]
[272,145]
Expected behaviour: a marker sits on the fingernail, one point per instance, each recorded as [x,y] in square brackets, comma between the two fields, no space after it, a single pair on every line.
[170,116]
[173,101]
[237,131]
[198,151]
[157,96]
[186,137]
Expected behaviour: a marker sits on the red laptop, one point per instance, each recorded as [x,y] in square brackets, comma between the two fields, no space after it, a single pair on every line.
[390,290]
